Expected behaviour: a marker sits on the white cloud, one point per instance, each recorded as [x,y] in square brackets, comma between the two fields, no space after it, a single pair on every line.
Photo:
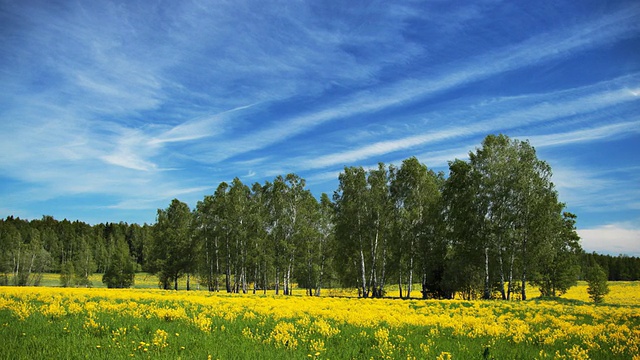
[107,96]
[585,135]
[613,239]
[597,190]
[323,177]
[128,160]
[129,148]
[379,148]
[535,50]
[158,197]
[502,115]
[197,128]
[436,159]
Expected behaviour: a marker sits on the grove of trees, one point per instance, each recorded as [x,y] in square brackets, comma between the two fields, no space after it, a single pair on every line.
[75,250]
[489,229]
[617,268]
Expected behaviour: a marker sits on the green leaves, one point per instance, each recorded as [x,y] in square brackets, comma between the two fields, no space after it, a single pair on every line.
[502,202]
[172,247]
[597,286]
[121,270]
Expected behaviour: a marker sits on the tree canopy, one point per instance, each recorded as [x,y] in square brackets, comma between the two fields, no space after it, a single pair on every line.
[490,228]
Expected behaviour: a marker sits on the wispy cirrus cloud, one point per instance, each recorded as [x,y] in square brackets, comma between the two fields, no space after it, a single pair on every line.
[501,116]
[158,196]
[538,49]
[197,128]
[608,132]
[134,102]
[131,150]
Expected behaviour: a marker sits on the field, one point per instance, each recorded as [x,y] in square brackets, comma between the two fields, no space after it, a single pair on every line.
[98,323]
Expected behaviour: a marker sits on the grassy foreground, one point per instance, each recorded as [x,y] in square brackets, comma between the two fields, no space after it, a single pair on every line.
[64,323]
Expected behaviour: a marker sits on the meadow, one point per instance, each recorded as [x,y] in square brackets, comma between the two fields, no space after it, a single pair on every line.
[98,323]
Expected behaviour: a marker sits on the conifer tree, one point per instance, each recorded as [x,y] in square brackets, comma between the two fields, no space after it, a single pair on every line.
[121,270]
[597,286]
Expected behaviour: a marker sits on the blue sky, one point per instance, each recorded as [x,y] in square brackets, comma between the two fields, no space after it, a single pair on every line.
[108,110]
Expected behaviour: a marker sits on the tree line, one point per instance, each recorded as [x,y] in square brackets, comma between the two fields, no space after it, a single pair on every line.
[489,229]
[75,250]
[617,268]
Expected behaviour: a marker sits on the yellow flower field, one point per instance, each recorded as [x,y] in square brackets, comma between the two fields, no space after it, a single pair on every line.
[151,323]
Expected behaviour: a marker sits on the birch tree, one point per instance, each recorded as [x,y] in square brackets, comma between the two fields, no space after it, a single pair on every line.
[259,253]
[517,202]
[236,241]
[84,265]
[172,248]
[351,228]
[206,223]
[558,266]
[23,258]
[380,223]
[416,194]
[325,241]
[537,209]
[308,244]
[466,269]
[284,199]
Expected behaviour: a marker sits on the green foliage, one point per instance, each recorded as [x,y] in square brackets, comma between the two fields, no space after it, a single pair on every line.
[618,268]
[75,250]
[171,254]
[364,229]
[23,257]
[66,274]
[121,270]
[350,226]
[84,265]
[558,269]
[597,286]
[495,222]
[502,204]
[416,204]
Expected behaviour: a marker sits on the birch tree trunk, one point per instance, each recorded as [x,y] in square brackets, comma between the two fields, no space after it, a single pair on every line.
[16,264]
[320,275]
[287,278]
[383,274]
[217,272]
[372,276]
[524,267]
[487,288]
[410,280]
[502,292]
[227,274]
[510,286]
[363,273]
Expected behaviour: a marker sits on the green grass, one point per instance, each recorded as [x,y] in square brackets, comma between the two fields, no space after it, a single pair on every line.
[142,281]
[102,331]
[66,338]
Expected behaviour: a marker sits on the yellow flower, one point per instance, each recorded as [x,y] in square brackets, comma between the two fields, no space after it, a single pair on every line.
[160,339]
[283,335]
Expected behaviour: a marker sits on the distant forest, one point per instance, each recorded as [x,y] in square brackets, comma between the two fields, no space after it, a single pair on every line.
[488,230]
